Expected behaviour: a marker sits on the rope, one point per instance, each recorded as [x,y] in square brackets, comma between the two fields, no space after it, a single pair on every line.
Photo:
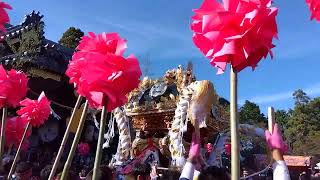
[53,102]
[110,134]
[183,124]
[259,172]
[55,115]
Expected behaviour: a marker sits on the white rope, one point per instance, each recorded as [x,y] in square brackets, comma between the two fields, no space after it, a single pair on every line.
[54,114]
[259,172]
[183,124]
[110,134]
[95,119]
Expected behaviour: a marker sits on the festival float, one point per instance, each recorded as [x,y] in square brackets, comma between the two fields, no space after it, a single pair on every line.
[158,114]
[155,125]
[156,121]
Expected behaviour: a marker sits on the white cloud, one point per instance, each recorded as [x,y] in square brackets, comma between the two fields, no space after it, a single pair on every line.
[144,29]
[266,99]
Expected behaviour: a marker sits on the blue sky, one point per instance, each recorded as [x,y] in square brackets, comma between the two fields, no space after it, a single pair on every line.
[159,29]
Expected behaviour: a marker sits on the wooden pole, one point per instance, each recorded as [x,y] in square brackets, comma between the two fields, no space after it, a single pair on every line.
[75,142]
[96,168]
[234,126]
[64,140]
[271,122]
[18,152]
[271,119]
[3,127]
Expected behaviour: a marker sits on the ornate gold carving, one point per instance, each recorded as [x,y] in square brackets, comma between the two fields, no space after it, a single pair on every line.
[152,121]
[154,116]
[34,72]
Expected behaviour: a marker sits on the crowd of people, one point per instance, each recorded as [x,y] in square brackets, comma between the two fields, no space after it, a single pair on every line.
[36,165]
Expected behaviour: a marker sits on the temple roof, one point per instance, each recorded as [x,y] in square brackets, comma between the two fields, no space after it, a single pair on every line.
[45,55]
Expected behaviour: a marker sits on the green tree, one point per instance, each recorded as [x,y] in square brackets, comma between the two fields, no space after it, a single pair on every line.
[300,97]
[250,114]
[71,37]
[303,126]
[282,118]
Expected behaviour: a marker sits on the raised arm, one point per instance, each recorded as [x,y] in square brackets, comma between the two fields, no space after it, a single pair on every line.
[189,168]
[277,148]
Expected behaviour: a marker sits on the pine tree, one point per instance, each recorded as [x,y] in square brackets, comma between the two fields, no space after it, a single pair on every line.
[250,114]
[71,38]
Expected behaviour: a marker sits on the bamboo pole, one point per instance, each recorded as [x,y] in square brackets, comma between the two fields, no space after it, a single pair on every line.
[64,140]
[18,152]
[271,119]
[75,142]
[3,126]
[96,168]
[234,126]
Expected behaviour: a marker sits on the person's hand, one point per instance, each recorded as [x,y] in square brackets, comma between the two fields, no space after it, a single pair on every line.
[275,141]
[195,146]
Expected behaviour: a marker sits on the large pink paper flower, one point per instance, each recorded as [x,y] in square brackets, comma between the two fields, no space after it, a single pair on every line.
[110,75]
[83,149]
[98,73]
[35,111]
[14,130]
[239,32]
[13,87]
[314,6]
[4,17]
[104,43]
[75,67]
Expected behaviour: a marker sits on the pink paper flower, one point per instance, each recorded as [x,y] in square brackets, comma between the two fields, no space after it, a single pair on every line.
[75,67]
[110,75]
[105,43]
[14,130]
[103,71]
[35,111]
[4,17]
[239,32]
[83,149]
[13,87]
[314,6]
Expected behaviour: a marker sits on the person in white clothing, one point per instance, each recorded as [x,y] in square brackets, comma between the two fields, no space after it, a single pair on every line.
[277,148]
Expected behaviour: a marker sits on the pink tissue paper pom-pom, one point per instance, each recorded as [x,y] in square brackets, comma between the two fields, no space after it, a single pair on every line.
[235,31]
[99,70]
[14,130]
[4,17]
[35,111]
[314,6]
[13,87]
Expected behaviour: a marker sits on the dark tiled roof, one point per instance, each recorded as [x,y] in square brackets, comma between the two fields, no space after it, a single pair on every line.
[52,56]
